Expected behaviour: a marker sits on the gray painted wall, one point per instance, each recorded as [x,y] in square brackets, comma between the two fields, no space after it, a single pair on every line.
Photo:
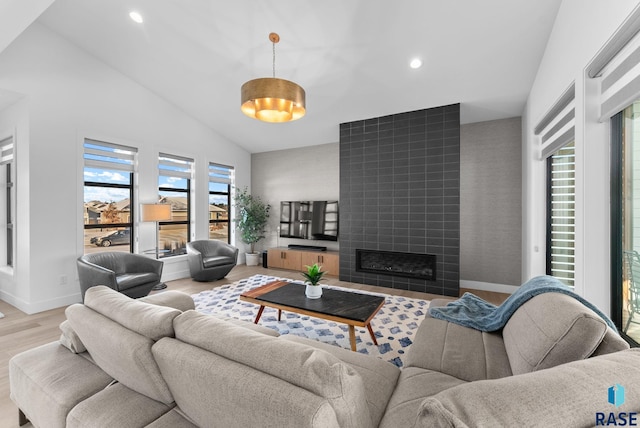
[490,195]
[491,201]
[306,173]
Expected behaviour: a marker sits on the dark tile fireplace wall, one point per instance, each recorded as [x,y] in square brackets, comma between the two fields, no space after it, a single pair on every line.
[400,191]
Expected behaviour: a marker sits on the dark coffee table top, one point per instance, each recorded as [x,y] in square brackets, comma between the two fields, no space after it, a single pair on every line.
[343,304]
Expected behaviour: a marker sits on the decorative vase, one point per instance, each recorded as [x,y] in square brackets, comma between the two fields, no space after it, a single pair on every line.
[313,291]
[252,259]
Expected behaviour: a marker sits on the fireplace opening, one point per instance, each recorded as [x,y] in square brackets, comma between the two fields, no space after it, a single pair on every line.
[411,265]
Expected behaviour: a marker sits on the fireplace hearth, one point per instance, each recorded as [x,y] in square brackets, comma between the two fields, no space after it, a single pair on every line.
[411,265]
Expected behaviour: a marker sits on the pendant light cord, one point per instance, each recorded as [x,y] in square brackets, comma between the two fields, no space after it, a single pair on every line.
[274,59]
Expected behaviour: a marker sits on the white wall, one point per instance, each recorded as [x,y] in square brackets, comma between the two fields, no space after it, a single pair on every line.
[580,31]
[71,95]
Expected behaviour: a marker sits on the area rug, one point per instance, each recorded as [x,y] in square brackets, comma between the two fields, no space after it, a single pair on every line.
[394,325]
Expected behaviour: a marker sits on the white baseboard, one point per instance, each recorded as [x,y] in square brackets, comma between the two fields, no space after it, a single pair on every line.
[30,308]
[488,286]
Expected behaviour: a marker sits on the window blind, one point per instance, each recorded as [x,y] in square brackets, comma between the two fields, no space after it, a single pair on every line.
[103,155]
[617,68]
[557,128]
[175,166]
[6,151]
[220,174]
[561,215]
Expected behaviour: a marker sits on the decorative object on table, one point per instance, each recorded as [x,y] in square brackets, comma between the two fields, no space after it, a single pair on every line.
[395,325]
[133,275]
[313,275]
[251,219]
[210,259]
[270,99]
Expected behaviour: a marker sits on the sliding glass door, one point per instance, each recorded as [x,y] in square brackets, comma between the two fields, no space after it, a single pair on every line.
[625,220]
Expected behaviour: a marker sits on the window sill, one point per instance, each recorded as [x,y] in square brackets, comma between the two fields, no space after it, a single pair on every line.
[6,270]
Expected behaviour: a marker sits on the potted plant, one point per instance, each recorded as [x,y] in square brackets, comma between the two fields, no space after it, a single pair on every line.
[313,275]
[251,219]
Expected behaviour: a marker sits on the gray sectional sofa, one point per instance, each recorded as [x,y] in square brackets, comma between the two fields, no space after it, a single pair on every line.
[155,362]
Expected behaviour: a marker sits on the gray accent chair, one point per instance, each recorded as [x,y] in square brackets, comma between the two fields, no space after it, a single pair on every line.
[133,275]
[210,260]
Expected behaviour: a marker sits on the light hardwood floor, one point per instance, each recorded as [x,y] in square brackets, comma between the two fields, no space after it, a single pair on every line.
[19,332]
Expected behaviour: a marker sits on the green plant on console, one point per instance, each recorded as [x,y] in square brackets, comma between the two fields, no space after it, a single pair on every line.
[251,219]
[313,274]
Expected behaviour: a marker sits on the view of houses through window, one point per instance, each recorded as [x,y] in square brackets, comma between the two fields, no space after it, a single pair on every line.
[108,196]
[109,171]
[220,185]
[174,188]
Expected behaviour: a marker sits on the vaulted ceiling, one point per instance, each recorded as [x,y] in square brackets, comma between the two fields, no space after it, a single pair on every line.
[352,57]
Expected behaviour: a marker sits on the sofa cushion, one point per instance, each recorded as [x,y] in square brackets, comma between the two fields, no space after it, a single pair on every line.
[567,395]
[122,353]
[116,406]
[130,280]
[413,386]
[172,419]
[458,351]
[551,329]
[215,391]
[149,320]
[48,381]
[209,262]
[379,376]
[303,366]
[69,339]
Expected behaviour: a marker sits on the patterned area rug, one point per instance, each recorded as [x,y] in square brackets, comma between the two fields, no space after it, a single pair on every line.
[394,325]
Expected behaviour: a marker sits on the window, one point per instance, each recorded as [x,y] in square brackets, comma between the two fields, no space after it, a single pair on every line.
[561,213]
[220,185]
[626,182]
[174,188]
[8,198]
[108,196]
[557,147]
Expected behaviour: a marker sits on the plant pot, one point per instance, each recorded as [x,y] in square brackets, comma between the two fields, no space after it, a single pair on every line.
[313,291]
[252,259]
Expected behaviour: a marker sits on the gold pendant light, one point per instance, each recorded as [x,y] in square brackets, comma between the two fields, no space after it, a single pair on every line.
[273,100]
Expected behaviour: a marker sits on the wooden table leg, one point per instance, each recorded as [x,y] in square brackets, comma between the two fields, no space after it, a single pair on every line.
[259,315]
[352,337]
[279,314]
[373,336]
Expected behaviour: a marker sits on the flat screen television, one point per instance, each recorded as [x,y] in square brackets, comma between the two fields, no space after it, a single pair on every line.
[317,220]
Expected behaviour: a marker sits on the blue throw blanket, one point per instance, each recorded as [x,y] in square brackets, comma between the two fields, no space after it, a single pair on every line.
[473,312]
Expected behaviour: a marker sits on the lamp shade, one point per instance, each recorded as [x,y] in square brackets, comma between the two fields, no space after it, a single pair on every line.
[273,100]
[155,212]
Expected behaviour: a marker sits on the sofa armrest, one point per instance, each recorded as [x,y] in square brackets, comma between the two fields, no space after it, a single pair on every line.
[228,251]
[458,351]
[572,394]
[90,274]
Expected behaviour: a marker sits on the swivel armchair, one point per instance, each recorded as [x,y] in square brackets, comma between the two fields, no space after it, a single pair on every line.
[131,274]
[210,260]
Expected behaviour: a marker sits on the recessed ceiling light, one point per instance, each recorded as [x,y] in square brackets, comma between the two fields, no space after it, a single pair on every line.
[136,17]
[415,63]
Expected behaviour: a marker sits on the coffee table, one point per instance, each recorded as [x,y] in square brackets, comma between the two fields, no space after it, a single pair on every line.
[353,309]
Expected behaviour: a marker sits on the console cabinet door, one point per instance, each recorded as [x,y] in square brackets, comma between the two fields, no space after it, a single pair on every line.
[275,258]
[328,261]
[291,259]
